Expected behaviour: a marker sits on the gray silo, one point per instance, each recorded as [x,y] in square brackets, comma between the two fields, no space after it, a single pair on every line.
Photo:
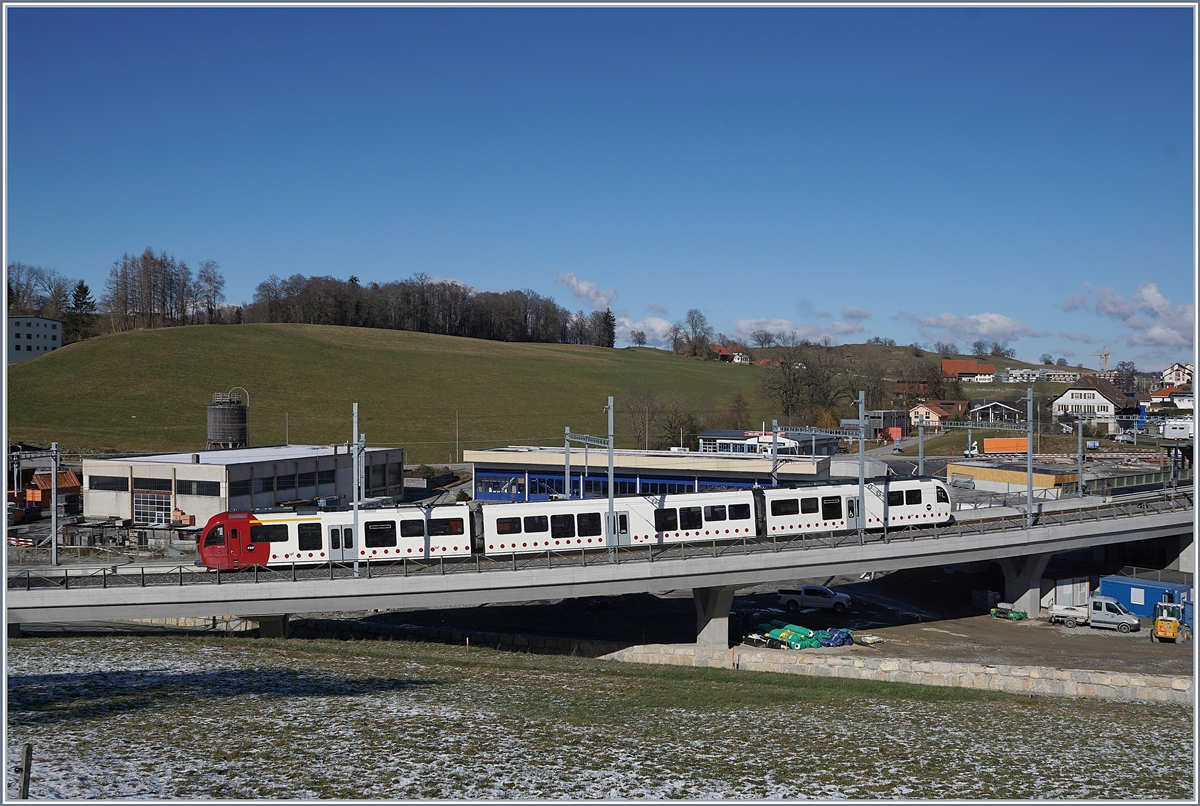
[227,421]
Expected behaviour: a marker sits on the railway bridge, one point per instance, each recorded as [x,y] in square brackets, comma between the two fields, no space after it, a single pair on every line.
[714,572]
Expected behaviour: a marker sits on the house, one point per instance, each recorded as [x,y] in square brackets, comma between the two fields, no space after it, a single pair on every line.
[929,415]
[982,379]
[1095,400]
[1177,374]
[740,354]
[31,336]
[993,411]
[965,369]
[1109,375]
[722,352]
[1184,400]
[1057,376]
[1164,397]
[1021,375]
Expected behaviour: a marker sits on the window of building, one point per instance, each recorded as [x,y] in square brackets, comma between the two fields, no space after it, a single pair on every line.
[239,487]
[326,476]
[286,482]
[306,480]
[151,508]
[186,487]
[309,536]
[116,484]
[265,484]
[148,484]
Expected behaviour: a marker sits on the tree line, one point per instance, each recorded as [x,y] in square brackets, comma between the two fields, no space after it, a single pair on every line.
[427,305]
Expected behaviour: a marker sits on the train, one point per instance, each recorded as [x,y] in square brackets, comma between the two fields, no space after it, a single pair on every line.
[395,533]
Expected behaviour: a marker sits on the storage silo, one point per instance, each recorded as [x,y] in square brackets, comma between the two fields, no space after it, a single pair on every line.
[227,421]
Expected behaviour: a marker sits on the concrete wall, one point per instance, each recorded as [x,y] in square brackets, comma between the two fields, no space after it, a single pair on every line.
[1033,680]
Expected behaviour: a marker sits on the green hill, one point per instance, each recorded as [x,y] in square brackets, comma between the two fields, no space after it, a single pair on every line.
[147,390]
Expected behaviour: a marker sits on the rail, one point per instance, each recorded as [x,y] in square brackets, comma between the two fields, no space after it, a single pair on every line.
[111,577]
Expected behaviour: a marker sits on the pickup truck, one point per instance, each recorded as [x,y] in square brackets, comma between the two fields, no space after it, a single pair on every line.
[1100,611]
[814,596]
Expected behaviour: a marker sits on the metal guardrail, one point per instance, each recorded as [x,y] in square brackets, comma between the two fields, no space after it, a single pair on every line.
[193,575]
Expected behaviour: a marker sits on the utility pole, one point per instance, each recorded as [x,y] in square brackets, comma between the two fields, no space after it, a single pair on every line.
[357,453]
[1029,462]
[862,489]
[774,453]
[612,517]
[1079,455]
[457,452]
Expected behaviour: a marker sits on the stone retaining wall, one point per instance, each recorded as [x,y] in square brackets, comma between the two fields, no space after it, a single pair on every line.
[1036,680]
[337,629]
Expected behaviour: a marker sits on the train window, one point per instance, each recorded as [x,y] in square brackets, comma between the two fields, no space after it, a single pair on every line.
[665,520]
[309,536]
[444,527]
[412,528]
[508,526]
[895,498]
[275,533]
[347,538]
[714,513]
[739,512]
[942,498]
[689,518]
[537,523]
[831,508]
[380,534]
[562,526]
[335,538]
[589,524]
[912,496]
[215,536]
[786,506]
[808,506]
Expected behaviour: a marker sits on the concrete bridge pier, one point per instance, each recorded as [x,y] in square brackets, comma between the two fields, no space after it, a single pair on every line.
[712,616]
[271,626]
[1023,581]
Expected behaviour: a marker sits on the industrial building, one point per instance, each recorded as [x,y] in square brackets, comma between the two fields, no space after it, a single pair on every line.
[519,473]
[31,336]
[159,488]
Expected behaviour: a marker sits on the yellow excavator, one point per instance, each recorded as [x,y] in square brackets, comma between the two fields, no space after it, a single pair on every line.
[1168,623]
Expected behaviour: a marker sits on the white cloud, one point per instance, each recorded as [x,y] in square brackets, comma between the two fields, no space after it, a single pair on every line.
[993,327]
[852,312]
[655,328]
[743,329]
[661,310]
[1084,337]
[586,291]
[1151,319]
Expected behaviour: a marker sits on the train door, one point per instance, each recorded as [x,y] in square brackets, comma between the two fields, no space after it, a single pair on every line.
[341,543]
[233,542]
[619,536]
[852,513]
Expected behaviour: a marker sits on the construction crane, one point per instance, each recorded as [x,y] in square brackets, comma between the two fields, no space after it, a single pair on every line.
[1103,356]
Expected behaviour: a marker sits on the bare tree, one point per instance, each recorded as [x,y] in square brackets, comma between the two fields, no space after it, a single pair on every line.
[638,337]
[763,339]
[783,384]
[945,348]
[980,349]
[699,333]
[638,404]
[210,290]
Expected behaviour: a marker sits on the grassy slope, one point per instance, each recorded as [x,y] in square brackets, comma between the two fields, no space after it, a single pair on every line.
[146,390]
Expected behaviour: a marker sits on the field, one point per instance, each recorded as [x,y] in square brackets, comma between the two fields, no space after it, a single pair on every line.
[147,390]
[243,718]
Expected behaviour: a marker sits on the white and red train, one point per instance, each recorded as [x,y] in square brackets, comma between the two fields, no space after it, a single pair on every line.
[241,540]
[233,540]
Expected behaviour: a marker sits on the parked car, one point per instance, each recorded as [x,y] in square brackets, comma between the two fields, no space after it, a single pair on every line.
[1100,611]
[1121,438]
[817,596]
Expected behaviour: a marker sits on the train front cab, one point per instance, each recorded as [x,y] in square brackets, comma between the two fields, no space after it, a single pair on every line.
[225,543]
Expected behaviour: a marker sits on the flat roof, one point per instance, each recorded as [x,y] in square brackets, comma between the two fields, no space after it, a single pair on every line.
[668,461]
[240,456]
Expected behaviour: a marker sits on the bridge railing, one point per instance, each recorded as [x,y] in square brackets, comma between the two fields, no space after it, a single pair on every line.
[67,578]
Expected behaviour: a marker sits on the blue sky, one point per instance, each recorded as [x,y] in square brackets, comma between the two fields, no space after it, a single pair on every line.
[1024,176]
